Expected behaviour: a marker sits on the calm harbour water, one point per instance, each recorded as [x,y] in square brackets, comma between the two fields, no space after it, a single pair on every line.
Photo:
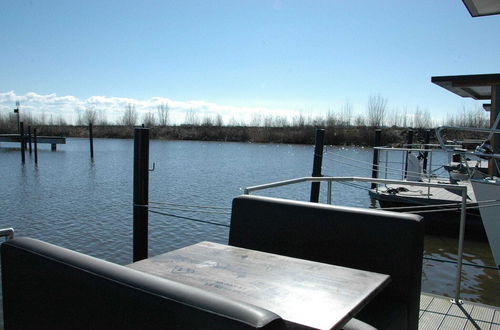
[86,206]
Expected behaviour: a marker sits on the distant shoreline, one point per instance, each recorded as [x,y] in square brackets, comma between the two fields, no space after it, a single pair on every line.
[336,135]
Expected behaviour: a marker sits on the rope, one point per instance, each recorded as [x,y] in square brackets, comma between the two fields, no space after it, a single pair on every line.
[197,206]
[380,168]
[463,263]
[191,219]
[187,210]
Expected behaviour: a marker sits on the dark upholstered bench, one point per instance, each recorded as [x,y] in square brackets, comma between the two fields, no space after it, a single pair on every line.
[379,241]
[49,287]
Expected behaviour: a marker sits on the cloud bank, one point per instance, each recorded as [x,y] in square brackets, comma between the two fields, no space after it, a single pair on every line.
[112,108]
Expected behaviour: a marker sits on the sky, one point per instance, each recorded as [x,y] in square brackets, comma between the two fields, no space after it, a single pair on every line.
[239,57]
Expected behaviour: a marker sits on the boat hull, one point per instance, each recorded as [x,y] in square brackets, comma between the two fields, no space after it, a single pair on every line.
[487,194]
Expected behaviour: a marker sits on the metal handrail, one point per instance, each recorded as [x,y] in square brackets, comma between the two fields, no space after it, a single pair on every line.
[7,232]
[331,179]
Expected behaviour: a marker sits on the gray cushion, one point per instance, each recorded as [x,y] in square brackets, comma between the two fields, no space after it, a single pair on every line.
[48,287]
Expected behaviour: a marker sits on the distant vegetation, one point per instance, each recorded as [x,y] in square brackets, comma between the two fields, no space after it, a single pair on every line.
[342,126]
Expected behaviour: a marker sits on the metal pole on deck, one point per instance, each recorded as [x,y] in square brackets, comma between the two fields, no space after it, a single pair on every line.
[23,149]
[318,160]
[91,140]
[36,145]
[141,187]
[461,234]
[378,134]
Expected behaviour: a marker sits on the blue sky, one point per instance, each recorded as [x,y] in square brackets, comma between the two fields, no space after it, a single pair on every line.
[307,56]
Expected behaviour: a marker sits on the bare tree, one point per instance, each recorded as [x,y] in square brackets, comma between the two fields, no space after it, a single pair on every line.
[422,119]
[129,117]
[377,106]
[346,114]
[163,113]
[218,120]
[149,119]
[191,118]
[89,116]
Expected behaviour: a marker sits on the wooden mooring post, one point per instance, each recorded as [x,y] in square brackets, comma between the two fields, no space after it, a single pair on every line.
[91,140]
[29,137]
[409,143]
[378,134]
[141,188]
[427,139]
[317,162]
[35,145]
[23,145]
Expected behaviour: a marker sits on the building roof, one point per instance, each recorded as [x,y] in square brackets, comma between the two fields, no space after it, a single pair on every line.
[476,86]
[482,7]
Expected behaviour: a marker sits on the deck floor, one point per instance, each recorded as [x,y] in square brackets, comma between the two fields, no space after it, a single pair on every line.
[437,312]
[426,196]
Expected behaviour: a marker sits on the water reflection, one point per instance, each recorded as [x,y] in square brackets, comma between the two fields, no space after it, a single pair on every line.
[478,284]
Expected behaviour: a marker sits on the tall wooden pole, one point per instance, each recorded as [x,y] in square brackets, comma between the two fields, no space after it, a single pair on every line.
[23,145]
[378,134]
[409,142]
[29,137]
[35,145]
[91,140]
[141,187]
[426,141]
[318,160]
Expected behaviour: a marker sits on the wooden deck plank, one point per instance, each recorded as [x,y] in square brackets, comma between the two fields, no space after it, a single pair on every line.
[425,300]
[437,312]
[496,317]
[495,326]
[430,321]
[482,313]
[452,322]
[482,325]
[456,311]
[439,305]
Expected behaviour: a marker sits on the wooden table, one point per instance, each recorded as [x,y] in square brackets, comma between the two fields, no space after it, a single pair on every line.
[300,291]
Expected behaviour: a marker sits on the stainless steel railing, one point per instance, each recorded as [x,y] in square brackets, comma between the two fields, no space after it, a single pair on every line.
[330,180]
[8,233]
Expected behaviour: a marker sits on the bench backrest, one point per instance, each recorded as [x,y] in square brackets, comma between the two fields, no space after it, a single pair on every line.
[379,241]
[49,287]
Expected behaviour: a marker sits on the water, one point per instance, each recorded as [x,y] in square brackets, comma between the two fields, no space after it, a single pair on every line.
[86,206]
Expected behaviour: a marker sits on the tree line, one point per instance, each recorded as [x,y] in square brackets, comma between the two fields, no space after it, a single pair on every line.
[344,124]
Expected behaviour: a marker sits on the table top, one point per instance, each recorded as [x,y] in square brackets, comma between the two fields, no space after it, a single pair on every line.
[300,291]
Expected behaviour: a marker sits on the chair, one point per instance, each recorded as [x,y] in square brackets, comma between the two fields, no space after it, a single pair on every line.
[49,287]
[373,240]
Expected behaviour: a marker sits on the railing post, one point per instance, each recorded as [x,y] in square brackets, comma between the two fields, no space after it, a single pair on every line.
[378,134]
[91,139]
[35,145]
[141,187]
[23,146]
[318,160]
[460,247]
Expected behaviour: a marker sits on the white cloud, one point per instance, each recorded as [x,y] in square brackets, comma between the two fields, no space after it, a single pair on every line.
[112,107]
